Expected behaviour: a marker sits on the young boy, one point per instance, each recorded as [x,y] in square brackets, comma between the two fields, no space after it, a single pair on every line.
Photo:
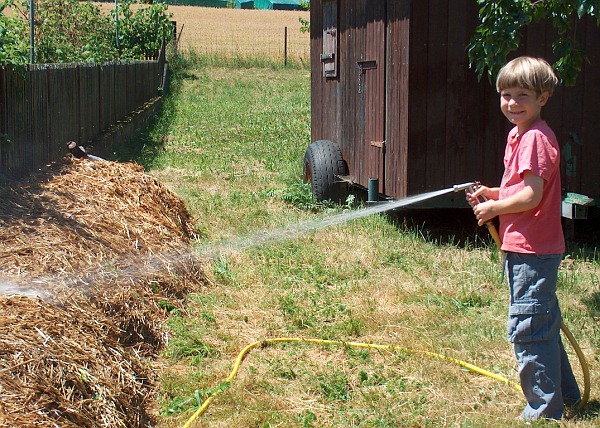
[528,203]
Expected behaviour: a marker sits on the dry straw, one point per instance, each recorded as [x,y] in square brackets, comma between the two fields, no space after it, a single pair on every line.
[108,247]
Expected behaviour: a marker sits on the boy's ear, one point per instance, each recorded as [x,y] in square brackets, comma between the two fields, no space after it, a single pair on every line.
[543,98]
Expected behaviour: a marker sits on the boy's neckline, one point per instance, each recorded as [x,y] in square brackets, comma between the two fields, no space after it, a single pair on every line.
[529,128]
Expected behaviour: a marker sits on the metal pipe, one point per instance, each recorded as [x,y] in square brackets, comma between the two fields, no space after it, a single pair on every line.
[31,31]
[79,152]
[117,24]
[464,186]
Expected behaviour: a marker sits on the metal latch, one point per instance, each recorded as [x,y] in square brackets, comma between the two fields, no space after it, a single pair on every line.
[363,66]
[366,65]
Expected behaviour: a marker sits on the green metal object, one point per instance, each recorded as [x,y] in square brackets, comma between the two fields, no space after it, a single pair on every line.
[373,190]
[575,205]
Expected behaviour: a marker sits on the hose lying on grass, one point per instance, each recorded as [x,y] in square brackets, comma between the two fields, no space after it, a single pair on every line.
[390,348]
[494,233]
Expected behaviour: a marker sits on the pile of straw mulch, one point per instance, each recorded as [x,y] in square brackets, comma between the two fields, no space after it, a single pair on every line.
[93,255]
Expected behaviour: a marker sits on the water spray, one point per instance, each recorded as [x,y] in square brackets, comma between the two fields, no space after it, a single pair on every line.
[214,250]
[40,287]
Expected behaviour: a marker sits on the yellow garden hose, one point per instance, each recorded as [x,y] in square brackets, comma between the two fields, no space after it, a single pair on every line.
[584,366]
[392,348]
[389,348]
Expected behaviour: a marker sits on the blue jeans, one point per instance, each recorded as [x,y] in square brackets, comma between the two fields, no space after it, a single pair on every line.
[534,329]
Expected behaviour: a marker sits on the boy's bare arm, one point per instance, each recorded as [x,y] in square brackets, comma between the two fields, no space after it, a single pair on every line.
[526,199]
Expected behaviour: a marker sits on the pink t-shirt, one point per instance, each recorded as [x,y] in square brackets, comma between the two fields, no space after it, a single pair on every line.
[539,230]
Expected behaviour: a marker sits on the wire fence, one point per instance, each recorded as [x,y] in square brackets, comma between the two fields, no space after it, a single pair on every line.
[282,45]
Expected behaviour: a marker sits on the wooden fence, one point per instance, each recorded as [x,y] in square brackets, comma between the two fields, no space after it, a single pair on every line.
[43,106]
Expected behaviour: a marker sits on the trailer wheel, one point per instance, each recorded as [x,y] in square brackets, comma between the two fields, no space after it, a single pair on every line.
[322,166]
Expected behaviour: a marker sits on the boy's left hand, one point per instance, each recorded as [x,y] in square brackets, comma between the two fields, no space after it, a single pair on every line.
[485,211]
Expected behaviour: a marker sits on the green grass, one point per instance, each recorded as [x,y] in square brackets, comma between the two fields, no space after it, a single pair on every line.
[230,143]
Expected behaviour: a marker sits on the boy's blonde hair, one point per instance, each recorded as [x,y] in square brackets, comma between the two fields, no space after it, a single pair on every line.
[534,74]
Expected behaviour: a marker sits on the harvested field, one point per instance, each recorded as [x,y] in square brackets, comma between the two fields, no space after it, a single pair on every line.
[244,32]
[92,255]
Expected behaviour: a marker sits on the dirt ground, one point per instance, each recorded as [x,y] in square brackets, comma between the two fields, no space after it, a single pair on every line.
[93,255]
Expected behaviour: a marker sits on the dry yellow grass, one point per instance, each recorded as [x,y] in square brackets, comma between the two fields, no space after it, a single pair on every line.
[240,31]
[243,32]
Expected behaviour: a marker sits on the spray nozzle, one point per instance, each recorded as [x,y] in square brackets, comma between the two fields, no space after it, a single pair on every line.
[464,186]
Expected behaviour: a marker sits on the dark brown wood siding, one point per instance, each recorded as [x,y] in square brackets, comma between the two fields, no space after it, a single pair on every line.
[397,99]
[455,126]
[441,125]
[573,111]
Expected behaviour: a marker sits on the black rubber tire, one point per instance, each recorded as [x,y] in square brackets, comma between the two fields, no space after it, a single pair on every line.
[322,166]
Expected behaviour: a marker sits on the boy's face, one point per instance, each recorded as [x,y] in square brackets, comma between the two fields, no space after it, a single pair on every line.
[522,107]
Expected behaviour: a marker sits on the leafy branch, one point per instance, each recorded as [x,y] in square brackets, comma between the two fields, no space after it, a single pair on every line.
[73,31]
[501,23]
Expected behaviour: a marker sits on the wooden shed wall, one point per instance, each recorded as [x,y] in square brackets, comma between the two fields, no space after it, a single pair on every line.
[573,111]
[350,106]
[455,126]
[441,125]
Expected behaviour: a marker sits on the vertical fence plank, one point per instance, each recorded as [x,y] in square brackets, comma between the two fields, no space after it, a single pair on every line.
[18,97]
[3,114]
[130,88]
[63,98]
[38,143]
[89,109]
[45,105]
[121,91]
[106,83]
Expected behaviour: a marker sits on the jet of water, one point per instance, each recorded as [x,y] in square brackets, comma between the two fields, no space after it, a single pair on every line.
[216,250]
[210,250]
[9,288]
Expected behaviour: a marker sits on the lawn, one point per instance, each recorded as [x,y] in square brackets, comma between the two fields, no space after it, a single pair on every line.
[230,144]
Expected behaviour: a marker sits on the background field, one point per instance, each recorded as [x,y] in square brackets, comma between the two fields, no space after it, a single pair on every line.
[245,32]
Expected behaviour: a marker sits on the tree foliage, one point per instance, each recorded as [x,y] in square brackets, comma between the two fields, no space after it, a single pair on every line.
[501,23]
[304,23]
[14,49]
[142,32]
[74,31]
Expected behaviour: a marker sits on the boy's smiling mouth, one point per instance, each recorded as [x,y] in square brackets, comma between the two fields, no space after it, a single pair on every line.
[515,114]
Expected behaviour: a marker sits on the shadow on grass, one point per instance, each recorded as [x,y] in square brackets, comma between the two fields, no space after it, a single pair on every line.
[457,226]
[590,412]
[145,147]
